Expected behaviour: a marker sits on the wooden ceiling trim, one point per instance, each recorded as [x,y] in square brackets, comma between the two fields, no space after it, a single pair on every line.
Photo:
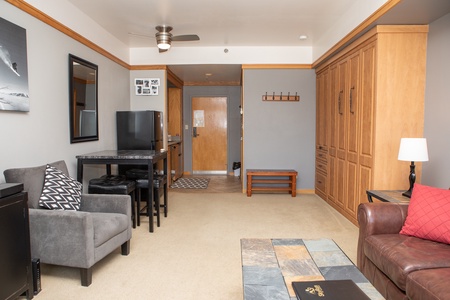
[356,31]
[276,66]
[33,11]
[147,67]
[212,83]
[174,79]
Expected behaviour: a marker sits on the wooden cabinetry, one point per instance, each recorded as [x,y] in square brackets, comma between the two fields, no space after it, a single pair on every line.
[176,161]
[15,255]
[369,96]
[175,112]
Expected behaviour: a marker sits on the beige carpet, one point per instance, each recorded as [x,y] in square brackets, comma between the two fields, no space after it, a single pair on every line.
[195,254]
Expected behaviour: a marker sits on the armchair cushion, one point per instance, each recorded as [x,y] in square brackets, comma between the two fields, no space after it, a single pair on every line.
[107,226]
[60,191]
[428,214]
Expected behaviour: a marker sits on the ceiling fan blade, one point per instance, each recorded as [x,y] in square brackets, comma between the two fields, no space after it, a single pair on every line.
[185,38]
[141,35]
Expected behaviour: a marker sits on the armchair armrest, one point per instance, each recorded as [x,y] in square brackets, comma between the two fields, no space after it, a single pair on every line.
[53,234]
[378,218]
[106,203]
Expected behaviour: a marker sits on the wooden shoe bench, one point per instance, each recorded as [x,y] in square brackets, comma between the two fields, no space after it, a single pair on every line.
[271,180]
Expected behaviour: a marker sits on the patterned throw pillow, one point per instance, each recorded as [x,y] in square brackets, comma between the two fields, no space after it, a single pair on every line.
[428,214]
[60,192]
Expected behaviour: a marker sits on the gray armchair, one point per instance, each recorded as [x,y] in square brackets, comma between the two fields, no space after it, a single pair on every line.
[74,238]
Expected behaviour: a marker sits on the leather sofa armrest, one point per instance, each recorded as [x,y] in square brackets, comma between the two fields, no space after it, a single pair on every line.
[381,218]
[106,203]
[378,218]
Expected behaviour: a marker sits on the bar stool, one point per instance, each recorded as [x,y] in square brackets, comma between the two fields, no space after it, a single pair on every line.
[115,184]
[141,179]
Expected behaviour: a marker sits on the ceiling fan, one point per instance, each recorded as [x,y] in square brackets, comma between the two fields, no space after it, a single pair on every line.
[164,38]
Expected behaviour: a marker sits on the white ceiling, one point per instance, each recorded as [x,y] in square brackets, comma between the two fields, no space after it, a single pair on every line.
[236,23]
[217,22]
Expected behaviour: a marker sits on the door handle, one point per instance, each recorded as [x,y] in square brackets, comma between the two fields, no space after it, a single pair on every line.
[194,132]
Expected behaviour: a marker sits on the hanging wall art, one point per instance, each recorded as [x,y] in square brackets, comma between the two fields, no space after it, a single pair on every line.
[13,67]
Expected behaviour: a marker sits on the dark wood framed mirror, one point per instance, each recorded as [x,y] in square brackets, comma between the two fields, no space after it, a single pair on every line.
[83,100]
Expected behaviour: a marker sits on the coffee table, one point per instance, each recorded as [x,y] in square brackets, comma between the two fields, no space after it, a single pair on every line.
[270,265]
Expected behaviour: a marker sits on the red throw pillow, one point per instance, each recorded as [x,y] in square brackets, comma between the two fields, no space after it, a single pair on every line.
[428,214]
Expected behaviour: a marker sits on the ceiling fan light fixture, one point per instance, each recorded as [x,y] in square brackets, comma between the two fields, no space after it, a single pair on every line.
[163,40]
[163,45]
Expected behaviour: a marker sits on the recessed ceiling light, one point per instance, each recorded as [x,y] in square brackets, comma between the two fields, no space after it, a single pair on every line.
[303,37]
[208,74]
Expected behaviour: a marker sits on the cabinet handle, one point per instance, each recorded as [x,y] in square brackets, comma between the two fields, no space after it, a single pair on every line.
[351,100]
[339,102]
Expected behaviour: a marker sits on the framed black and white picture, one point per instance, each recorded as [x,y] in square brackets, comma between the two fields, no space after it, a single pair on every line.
[146,86]
[13,67]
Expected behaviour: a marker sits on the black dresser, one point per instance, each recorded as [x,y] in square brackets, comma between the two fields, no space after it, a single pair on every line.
[15,255]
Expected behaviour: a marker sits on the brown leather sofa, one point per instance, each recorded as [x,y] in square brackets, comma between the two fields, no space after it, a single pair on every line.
[400,266]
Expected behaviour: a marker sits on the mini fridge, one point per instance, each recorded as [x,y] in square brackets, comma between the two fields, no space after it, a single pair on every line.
[139,130]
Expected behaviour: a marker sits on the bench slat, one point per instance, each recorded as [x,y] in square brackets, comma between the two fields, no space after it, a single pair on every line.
[266,184]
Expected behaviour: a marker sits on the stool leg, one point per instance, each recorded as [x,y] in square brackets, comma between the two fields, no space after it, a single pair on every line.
[156,195]
[165,203]
[138,208]
[133,211]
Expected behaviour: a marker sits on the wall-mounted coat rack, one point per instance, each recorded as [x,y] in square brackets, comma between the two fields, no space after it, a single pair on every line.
[281,97]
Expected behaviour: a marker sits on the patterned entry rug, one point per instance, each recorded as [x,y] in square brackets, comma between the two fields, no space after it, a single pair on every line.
[190,183]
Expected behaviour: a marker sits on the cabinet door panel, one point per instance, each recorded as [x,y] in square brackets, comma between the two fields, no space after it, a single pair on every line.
[332,178]
[352,104]
[351,198]
[342,112]
[341,182]
[334,94]
[367,101]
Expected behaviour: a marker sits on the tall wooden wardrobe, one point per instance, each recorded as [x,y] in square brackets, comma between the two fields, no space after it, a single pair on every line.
[369,96]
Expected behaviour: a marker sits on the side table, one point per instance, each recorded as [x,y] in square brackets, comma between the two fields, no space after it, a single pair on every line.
[387,196]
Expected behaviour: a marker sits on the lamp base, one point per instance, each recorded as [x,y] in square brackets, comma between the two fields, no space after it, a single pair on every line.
[407,193]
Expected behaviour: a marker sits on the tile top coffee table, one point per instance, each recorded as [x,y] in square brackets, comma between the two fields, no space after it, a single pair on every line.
[270,265]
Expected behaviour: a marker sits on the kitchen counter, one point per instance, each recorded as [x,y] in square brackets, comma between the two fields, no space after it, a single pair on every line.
[170,143]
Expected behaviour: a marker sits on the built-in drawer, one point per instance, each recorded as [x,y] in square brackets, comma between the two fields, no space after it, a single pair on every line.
[321,166]
[321,155]
[321,182]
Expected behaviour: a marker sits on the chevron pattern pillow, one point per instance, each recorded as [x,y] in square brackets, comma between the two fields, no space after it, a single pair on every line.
[60,192]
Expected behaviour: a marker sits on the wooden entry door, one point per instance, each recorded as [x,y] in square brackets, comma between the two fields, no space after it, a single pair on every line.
[209,141]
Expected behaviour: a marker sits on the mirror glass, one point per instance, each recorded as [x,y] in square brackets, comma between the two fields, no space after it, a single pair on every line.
[83,87]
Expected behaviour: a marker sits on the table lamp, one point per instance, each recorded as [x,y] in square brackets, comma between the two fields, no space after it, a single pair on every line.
[412,149]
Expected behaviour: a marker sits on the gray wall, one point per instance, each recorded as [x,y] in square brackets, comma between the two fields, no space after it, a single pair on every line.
[233,94]
[436,171]
[42,134]
[280,135]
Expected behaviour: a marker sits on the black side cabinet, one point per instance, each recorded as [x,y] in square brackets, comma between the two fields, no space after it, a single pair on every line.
[15,255]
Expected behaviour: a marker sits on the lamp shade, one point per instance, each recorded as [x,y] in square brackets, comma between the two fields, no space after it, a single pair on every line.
[413,149]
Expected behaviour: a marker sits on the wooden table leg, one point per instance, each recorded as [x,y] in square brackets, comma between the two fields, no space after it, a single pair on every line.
[293,185]
[249,185]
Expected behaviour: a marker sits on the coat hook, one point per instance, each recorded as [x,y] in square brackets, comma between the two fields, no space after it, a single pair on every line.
[281,96]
